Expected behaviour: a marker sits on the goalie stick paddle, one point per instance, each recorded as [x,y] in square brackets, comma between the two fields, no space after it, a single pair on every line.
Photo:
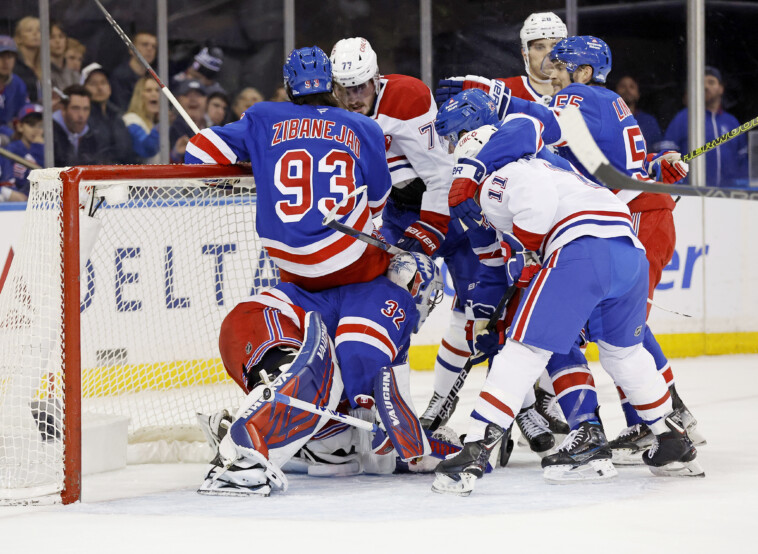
[447,405]
[330,220]
[584,147]
[270,395]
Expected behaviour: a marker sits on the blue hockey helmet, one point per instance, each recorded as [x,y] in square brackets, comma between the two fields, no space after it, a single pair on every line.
[308,71]
[584,50]
[466,111]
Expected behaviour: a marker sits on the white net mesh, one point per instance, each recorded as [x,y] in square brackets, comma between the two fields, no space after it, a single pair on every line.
[166,267]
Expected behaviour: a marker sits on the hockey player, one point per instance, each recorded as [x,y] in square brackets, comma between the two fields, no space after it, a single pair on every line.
[416,216]
[307,155]
[539,34]
[575,64]
[591,271]
[349,341]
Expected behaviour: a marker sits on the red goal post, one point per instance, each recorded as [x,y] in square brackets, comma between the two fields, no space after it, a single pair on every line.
[130,328]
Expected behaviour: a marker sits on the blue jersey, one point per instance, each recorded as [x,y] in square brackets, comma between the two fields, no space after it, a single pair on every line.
[16,173]
[13,96]
[609,120]
[304,160]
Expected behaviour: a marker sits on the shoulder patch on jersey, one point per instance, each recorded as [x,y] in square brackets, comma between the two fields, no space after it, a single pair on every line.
[404,97]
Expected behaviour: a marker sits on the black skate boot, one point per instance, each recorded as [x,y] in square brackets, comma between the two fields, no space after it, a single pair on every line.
[535,430]
[630,444]
[456,475]
[547,406]
[684,417]
[672,453]
[433,409]
[583,456]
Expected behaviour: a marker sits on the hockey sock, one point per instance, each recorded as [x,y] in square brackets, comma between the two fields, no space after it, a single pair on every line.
[576,394]
[451,356]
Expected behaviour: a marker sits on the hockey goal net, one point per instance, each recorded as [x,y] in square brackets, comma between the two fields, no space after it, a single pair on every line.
[119,313]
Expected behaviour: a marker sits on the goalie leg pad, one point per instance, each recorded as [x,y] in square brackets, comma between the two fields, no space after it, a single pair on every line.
[395,409]
[314,377]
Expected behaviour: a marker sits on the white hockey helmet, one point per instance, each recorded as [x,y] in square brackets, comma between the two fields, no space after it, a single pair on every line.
[473,141]
[420,276]
[354,62]
[542,25]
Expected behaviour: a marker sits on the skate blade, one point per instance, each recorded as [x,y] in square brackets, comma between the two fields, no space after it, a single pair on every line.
[462,486]
[595,470]
[627,457]
[221,488]
[679,469]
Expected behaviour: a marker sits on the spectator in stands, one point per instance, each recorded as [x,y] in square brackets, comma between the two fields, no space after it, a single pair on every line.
[725,165]
[142,118]
[61,75]
[126,75]
[628,89]
[114,141]
[73,140]
[205,68]
[217,111]
[13,94]
[193,98]
[29,144]
[244,99]
[74,54]
[28,67]
[280,95]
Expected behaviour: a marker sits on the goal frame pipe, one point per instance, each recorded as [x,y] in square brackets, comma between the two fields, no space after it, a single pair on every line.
[71,341]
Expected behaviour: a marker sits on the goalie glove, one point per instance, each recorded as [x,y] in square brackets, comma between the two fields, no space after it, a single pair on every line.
[501,94]
[667,167]
[421,237]
[521,265]
[462,199]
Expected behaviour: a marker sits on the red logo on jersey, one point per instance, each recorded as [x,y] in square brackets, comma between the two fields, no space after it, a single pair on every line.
[387,142]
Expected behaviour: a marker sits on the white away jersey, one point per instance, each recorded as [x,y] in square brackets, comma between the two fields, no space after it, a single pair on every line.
[405,110]
[546,207]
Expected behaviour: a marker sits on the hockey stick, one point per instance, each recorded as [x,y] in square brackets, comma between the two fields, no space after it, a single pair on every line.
[718,141]
[270,395]
[330,220]
[167,93]
[18,159]
[579,139]
[447,405]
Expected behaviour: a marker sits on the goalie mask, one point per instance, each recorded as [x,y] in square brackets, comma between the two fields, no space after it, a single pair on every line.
[420,276]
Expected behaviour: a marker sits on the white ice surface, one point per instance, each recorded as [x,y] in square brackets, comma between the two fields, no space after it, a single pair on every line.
[155,508]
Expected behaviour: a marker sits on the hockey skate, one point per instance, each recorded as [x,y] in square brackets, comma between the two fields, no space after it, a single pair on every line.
[672,453]
[457,475]
[685,418]
[583,456]
[629,446]
[547,406]
[435,405]
[534,428]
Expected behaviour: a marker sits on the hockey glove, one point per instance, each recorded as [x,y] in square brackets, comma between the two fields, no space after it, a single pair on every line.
[521,265]
[482,342]
[667,167]
[447,88]
[421,237]
[468,175]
